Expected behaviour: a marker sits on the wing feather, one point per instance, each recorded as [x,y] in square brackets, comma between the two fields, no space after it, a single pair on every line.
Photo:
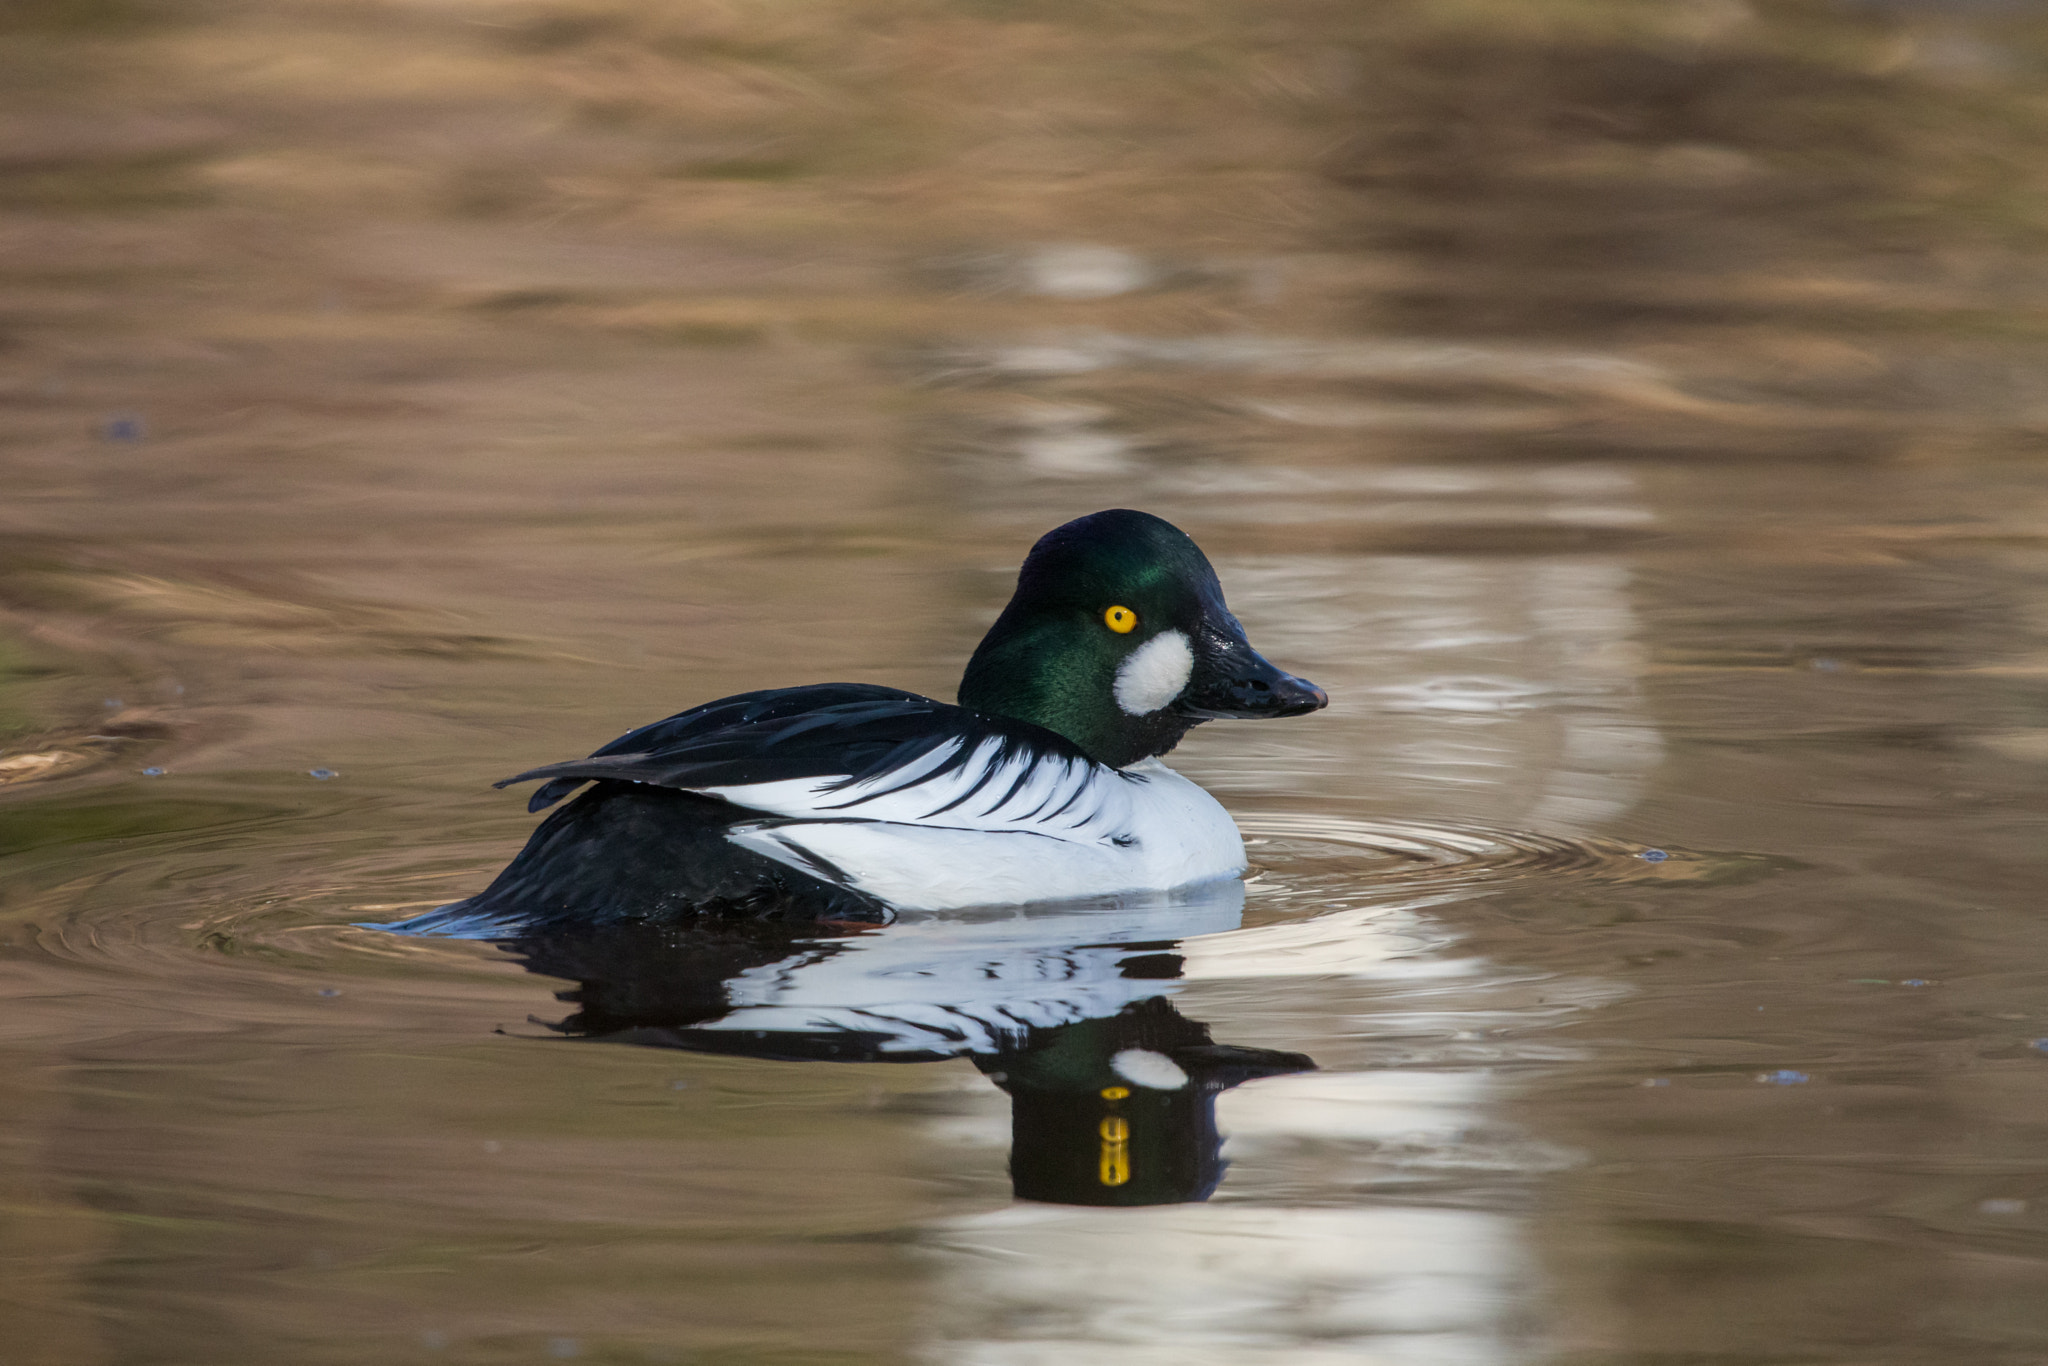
[841,751]
[988,760]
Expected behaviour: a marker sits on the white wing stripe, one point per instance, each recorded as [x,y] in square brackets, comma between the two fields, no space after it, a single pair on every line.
[1052,786]
[907,776]
[1025,773]
[983,758]
[1045,782]
[1049,794]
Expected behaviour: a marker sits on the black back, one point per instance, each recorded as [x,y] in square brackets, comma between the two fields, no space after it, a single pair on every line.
[828,729]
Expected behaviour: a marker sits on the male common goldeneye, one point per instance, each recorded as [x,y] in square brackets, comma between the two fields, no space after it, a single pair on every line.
[846,801]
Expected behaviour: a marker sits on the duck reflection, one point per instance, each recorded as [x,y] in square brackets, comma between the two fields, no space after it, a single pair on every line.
[1113,1091]
[1122,1110]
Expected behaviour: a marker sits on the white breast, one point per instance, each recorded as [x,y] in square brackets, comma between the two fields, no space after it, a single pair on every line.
[1048,829]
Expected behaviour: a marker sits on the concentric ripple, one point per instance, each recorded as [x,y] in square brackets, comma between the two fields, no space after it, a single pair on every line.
[1304,858]
[160,917]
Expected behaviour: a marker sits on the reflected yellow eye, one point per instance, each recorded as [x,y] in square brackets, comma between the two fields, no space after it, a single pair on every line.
[1121,620]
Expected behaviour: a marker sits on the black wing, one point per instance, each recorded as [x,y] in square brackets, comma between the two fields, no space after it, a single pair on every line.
[855,731]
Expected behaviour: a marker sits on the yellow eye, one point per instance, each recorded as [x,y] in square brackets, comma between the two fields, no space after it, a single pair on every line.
[1121,620]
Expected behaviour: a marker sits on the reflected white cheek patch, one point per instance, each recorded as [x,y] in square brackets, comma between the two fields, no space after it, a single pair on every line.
[1155,673]
[1153,1071]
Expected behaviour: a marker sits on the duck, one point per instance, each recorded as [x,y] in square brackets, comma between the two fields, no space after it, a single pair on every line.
[852,802]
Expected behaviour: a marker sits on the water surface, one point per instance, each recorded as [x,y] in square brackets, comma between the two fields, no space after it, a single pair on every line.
[1633,415]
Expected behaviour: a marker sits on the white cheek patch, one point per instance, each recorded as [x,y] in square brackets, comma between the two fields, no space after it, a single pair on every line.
[1153,1071]
[1155,673]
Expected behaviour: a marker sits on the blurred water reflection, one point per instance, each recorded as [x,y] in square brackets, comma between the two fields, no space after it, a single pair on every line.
[1113,1095]
[1112,1091]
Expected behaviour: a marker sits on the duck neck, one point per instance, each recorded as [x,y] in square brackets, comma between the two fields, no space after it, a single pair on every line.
[1010,676]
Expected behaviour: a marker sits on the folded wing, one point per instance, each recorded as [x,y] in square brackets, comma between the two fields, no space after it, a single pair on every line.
[854,752]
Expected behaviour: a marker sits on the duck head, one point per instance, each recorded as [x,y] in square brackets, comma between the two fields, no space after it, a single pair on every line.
[1118,639]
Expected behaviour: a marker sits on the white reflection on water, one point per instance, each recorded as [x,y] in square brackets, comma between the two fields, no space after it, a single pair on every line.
[1237,1285]
[1587,494]
[1275,1281]
[1514,680]
[1270,1272]
[1080,352]
[975,981]
[1083,270]
[1074,452]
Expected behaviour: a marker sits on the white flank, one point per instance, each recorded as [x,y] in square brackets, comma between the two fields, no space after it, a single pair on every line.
[1146,829]
[1153,1071]
[1155,673]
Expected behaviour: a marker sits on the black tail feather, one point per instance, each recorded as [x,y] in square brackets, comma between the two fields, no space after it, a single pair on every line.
[548,793]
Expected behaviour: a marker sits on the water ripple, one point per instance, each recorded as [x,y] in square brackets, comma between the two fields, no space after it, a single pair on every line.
[1296,852]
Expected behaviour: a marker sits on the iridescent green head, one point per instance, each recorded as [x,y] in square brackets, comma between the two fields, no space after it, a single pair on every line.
[1118,638]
